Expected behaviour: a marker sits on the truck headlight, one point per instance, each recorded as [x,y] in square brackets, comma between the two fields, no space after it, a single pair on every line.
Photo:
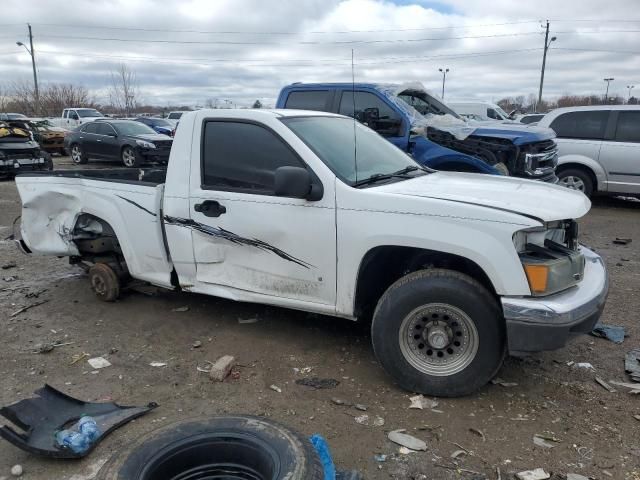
[145,144]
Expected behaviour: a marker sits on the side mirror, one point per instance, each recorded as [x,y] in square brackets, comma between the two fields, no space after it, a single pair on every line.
[296,182]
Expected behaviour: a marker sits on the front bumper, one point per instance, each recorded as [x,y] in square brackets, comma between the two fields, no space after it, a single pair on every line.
[15,166]
[547,323]
[153,154]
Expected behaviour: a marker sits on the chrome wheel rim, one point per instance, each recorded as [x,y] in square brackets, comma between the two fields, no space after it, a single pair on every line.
[76,155]
[574,183]
[128,157]
[438,339]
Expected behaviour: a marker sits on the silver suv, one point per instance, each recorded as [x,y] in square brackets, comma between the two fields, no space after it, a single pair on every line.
[598,148]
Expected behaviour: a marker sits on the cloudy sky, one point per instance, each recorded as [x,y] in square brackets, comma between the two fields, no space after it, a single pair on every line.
[240,50]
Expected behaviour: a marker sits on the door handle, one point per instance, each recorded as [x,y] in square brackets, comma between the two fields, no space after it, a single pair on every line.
[210,208]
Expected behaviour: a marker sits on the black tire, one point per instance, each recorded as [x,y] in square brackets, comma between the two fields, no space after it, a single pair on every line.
[239,446]
[104,282]
[569,178]
[78,156]
[457,298]
[129,157]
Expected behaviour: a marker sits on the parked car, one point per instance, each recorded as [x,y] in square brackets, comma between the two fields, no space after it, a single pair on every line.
[73,117]
[421,125]
[159,125]
[599,147]
[49,137]
[272,207]
[19,152]
[174,117]
[12,116]
[480,110]
[530,118]
[129,141]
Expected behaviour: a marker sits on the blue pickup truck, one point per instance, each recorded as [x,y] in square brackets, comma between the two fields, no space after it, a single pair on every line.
[421,125]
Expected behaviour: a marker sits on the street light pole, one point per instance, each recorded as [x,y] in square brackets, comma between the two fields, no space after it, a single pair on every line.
[606,95]
[547,42]
[444,78]
[33,64]
[629,87]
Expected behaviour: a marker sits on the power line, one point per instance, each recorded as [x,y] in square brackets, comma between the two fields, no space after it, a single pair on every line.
[595,50]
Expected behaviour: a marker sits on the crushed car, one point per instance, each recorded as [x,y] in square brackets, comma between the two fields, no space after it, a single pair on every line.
[20,152]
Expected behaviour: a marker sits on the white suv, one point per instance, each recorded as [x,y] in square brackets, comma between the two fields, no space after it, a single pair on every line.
[598,148]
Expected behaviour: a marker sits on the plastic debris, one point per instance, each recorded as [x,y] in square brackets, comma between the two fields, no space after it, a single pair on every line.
[196,344]
[405,440]
[98,362]
[322,448]
[622,241]
[181,309]
[318,383]
[405,451]
[615,333]
[637,417]
[576,476]
[17,470]
[605,385]
[543,441]
[634,388]
[157,364]
[380,458]
[275,388]
[585,365]
[368,421]
[537,474]
[632,364]
[338,401]
[362,408]
[458,453]
[420,402]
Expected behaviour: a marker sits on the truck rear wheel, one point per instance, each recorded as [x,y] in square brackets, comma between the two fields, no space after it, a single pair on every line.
[439,332]
[104,282]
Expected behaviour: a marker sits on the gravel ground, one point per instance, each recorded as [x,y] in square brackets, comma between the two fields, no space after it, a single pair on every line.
[596,430]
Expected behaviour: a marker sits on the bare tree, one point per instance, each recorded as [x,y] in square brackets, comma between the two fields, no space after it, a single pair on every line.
[123,93]
[57,96]
[5,98]
[257,104]
[211,103]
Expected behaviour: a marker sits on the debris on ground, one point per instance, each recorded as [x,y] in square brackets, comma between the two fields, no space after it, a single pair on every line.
[38,430]
[537,474]
[458,453]
[634,388]
[181,309]
[637,417]
[196,344]
[275,388]
[24,309]
[480,433]
[221,368]
[576,476]
[9,265]
[48,347]
[632,364]
[362,408]
[303,370]
[405,440]
[10,278]
[17,470]
[318,383]
[339,401]
[585,365]
[367,421]
[98,362]
[405,451]
[157,364]
[77,357]
[622,241]
[246,321]
[502,383]
[420,402]
[544,441]
[605,385]
[615,333]
[380,458]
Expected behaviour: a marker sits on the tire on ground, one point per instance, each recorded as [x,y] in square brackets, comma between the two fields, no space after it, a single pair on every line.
[104,282]
[438,287]
[238,446]
[578,173]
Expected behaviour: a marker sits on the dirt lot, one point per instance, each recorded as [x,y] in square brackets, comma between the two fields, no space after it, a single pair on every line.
[596,430]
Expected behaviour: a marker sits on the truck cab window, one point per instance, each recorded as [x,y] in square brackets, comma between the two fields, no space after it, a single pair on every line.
[308,100]
[243,157]
[372,111]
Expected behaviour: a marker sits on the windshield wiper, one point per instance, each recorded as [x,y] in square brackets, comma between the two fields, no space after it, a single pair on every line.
[376,177]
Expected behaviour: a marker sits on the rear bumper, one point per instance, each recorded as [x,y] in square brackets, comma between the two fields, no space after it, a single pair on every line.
[548,323]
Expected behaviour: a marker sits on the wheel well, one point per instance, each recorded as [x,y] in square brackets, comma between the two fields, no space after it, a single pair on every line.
[382,266]
[581,167]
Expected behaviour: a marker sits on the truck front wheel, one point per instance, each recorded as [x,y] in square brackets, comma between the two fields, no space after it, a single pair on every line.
[439,332]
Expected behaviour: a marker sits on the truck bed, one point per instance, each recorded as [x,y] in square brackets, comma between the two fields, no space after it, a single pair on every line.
[135,176]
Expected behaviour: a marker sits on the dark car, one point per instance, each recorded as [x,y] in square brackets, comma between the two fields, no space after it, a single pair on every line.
[160,125]
[129,141]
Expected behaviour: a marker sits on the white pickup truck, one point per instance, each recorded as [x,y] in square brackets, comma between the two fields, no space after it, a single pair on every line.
[454,269]
[74,117]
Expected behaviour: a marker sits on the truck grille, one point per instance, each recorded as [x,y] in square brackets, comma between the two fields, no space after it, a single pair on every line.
[163,146]
[540,158]
[20,154]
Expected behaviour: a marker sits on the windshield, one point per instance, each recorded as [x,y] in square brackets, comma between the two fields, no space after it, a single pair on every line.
[88,112]
[425,103]
[133,128]
[159,122]
[175,115]
[332,139]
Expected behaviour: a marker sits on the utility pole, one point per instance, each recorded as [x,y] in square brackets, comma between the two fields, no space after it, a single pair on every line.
[33,64]
[629,87]
[547,42]
[444,78]
[606,95]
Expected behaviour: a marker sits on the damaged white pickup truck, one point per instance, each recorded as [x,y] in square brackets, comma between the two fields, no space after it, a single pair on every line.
[312,211]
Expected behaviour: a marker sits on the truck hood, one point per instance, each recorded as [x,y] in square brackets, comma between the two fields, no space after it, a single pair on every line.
[519,134]
[541,201]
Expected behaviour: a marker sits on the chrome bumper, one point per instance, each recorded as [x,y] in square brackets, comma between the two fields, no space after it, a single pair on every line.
[547,323]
